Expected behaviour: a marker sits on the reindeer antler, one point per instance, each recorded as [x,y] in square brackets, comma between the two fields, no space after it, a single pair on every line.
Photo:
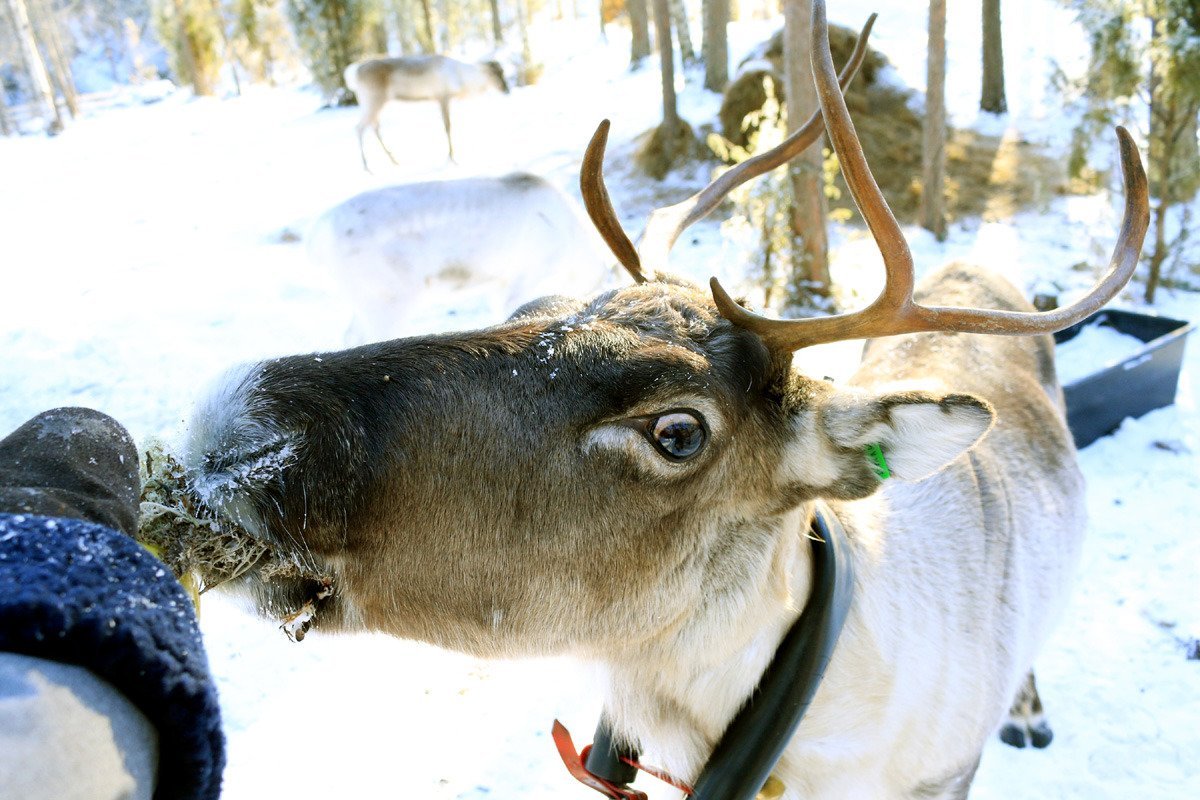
[666,224]
[894,311]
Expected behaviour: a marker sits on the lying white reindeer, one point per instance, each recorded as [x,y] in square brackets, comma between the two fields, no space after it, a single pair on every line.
[492,243]
[631,479]
[435,77]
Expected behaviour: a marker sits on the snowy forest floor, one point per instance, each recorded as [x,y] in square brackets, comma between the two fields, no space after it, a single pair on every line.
[151,247]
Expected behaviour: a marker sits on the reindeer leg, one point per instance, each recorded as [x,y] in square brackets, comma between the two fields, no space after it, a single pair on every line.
[359,129]
[444,104]
[384,146]
[1026,719]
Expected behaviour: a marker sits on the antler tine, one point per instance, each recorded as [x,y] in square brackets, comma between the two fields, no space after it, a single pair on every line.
[599,205]
[1121,266]
[867,196]
[894,311]
[666,224]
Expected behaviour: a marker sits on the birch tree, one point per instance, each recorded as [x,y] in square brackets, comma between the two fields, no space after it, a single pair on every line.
[933,149]
[1145,59]
[679,20]
[49,33]
[39,78]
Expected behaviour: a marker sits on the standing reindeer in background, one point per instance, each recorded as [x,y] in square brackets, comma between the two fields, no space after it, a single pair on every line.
[493,242]
[631,479]
[376,80]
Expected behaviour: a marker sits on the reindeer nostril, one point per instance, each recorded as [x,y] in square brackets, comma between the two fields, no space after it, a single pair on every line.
[250,453]
[248,466]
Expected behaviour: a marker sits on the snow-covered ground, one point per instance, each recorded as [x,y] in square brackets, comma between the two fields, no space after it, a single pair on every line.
[150,247]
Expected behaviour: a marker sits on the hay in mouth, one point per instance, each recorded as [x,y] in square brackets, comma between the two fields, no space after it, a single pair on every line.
[204,550]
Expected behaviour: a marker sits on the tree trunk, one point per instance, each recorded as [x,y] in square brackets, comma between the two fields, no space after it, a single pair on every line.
[50,35]
[428,40]
[1172,158]
[716,44]
[497,31]
[666,56]
[1159,146]
[933,150]
[377,37]
[34,65]
[186,54]
[444,39]
[810,272]
[639,24]
[529,70]
[133,43]
[226,47]
[1188,148]
[687,53]
[1159,254]
[7,126]
[992,97]
[406,37]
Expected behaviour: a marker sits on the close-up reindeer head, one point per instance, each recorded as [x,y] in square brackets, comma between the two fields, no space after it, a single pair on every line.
[629,478]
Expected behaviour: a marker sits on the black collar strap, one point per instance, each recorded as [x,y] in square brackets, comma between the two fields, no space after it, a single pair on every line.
[754,741]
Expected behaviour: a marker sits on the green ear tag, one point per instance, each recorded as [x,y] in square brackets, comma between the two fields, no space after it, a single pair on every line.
[875,453]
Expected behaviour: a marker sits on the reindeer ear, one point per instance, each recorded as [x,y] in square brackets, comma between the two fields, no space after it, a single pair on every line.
[919,432]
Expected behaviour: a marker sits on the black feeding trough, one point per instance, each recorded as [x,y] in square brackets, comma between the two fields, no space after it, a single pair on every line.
[1132,386]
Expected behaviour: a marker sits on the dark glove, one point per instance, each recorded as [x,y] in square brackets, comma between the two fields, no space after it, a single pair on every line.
[78,589]
[71,462]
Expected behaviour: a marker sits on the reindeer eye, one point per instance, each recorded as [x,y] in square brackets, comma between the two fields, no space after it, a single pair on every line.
[678,435]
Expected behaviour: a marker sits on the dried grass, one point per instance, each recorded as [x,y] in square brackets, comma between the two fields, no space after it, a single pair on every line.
[204,550]
[985,176]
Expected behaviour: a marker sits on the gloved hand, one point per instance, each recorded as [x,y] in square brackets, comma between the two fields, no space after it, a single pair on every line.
[104,685]
[71,462]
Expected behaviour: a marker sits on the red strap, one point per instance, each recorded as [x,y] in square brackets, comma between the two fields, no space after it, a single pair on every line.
[574,764]
[662,776]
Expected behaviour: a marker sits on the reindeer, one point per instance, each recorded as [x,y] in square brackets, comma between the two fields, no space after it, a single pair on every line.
[434,77]
[494,242]
[631,478]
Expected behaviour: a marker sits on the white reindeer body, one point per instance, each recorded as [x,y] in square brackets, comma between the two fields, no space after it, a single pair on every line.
[485,245]
[432,77]
[960,577]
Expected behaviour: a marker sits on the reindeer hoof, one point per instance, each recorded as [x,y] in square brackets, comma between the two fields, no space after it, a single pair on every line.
[1041,735]
[1012,735]
[1015,735]
[1026,720]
